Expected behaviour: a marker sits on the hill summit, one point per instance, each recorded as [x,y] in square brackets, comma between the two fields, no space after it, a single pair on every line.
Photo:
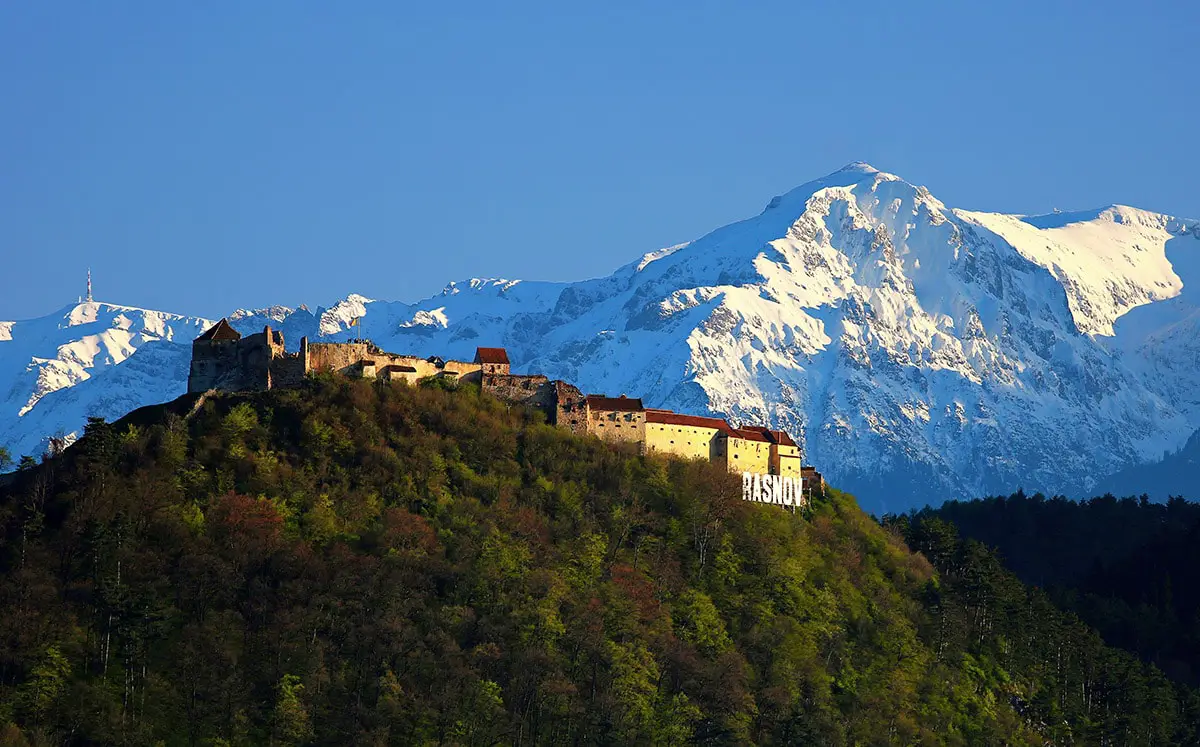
[371,562]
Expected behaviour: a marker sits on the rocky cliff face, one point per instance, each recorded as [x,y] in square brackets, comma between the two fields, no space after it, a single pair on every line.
[920,352]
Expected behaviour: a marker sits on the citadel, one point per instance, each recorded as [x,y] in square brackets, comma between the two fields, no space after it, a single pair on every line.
[769,461]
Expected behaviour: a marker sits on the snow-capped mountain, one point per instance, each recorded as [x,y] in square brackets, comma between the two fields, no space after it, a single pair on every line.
[920,352]
[58,370]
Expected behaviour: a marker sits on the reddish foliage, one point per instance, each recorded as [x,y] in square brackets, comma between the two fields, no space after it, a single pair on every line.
[523,521]
[404,531]
[640,590]
[250,530]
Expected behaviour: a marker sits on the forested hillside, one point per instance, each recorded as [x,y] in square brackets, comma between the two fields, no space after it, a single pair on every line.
[366,563]
[1129,567]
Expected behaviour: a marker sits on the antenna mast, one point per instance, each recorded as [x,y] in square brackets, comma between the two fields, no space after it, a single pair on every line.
[89,295]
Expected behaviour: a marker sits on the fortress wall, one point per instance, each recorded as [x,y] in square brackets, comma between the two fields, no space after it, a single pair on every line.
[786,460]
[748,456]
[287,371]
[570,408]
[462,368]
[812,479]
[687,441]
[254,361]
[345,357]
[527,390]
[337,357]
[626,427]
[211,363]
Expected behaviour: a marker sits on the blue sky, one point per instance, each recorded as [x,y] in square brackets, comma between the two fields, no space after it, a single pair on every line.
[205,156]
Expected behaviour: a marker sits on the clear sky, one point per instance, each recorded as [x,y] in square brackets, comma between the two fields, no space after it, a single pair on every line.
[206,156]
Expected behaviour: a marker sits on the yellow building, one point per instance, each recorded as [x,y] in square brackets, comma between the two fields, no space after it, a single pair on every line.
[784,452]
[743,450]
[753,449]
[687,436]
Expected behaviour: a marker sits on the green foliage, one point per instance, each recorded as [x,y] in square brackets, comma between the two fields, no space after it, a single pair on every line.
[41,692]
[1016,641]
[360,562]
[290,721]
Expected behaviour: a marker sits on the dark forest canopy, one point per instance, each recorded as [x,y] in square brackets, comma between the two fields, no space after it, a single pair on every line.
[1129,567]
[368,563]
[1177,473]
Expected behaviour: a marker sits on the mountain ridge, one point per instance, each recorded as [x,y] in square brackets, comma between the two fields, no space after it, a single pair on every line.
[953,351]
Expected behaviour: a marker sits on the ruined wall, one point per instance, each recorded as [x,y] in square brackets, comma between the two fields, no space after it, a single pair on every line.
[346,358]
[535,391]
[337,357]
[231,365]
[287,371]
[570,408]
[813,482]
[214,364]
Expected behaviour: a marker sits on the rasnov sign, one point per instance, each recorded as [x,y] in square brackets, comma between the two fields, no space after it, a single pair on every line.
[777,489]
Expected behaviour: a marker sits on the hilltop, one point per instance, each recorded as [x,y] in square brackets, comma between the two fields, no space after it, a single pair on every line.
[917,352]
[371,562]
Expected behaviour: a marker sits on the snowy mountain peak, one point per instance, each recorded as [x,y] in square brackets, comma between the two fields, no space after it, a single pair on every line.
[861,167]
[919,352]
[272,313]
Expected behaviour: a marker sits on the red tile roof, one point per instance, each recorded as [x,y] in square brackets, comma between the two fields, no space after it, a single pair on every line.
[667,417]
[749,435]
[782,438]
[221,331]
[491,355]
[777,437]
[611,404]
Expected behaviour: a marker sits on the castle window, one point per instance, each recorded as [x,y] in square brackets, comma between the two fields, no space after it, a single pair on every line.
[628,417]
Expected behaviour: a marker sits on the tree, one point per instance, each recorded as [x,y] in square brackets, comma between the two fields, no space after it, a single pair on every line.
[290,720]
[46,684]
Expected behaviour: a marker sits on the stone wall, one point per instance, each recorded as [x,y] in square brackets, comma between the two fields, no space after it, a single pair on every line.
[535,390]
[570,408]
[813,482]
[212,364]
[233,365]
[618,426]
[347,358]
